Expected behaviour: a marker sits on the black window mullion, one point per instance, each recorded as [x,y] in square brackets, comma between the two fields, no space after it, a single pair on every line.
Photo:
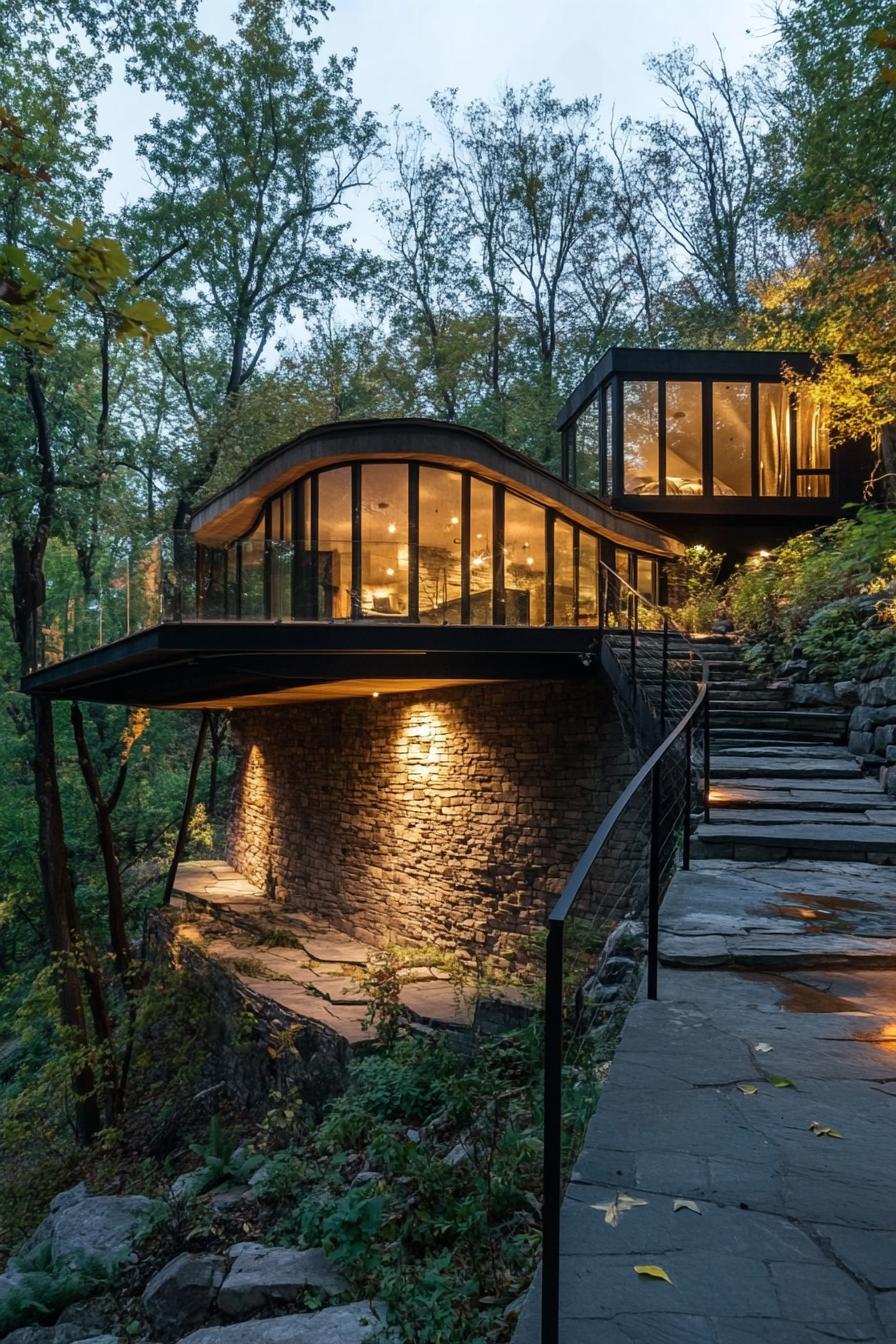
[314,565]
[499,605]
[297,549]
[267,568]
[465,534]
[707,437]
[575,574]
[549,521]
[618,436]
[356,542]
[413,541]
[754,439]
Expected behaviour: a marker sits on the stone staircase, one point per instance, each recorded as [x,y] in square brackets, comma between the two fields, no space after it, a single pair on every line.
[784,784]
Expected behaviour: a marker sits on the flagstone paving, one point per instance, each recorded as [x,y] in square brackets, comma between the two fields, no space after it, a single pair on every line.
[318,976]
[761,1088]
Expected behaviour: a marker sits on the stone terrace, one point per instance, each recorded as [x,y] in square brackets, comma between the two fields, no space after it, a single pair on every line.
[307,968]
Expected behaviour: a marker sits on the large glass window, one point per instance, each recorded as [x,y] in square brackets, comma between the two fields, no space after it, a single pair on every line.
[813,449]
[619,595]
[564,575]
[645,576]
[439,565]
[608,485]
[252,552]
[482,579]
[334,548]
[732,473]
[641,438]
[280,557]
[774,439]
[588,448]
[385,554]
[586,608]
[684,438]
[524,561]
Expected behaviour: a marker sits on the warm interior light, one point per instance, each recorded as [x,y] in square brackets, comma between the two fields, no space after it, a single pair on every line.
[478,561]
[764,554]
[530,560]
[392,528]
[455,521]
[390,572]
[375,695]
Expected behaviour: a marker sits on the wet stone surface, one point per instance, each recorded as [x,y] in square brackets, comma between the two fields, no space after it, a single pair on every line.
[761,1087]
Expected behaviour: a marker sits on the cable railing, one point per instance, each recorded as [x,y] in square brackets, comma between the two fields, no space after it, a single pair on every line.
[609,908]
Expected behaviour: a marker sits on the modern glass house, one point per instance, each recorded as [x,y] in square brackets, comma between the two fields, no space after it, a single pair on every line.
[712,445]
[432,550]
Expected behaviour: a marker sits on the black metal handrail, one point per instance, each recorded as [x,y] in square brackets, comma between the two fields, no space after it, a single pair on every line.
[662,828]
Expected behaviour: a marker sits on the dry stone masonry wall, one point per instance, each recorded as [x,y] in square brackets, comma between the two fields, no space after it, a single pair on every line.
[451,818]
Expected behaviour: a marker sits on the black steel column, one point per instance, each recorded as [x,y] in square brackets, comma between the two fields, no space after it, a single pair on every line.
[188,809]
[553,1135]
[653,884]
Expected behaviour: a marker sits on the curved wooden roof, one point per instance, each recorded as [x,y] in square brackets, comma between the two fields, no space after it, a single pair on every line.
[233,511]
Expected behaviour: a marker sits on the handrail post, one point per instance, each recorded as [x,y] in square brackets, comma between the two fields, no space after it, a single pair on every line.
[686,836]
[706,754]
[188,809]
[664,676]
[653,884]
[632,635]
[553,1139]
[601,597]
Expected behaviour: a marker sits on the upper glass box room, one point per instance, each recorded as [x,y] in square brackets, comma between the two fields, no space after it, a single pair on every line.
[705,431]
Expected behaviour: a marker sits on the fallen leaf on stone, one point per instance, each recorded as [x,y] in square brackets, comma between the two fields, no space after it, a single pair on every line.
[777,1081]
[762,1048]
[685,1204]
[621,1204]
[825,1131]
[748,1089]
[652,1272]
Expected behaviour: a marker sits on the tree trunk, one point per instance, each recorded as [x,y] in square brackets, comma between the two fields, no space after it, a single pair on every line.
[59,903]
[118,935]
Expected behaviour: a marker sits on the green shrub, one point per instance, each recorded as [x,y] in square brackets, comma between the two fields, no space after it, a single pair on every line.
[45,1289]
[699,569]
[796,595]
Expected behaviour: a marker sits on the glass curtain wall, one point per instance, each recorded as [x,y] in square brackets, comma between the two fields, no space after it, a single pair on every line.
[666,456]
[406,542]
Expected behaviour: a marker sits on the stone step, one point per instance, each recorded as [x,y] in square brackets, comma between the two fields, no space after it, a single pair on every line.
[730,739]
[802,814]
[784,751]
[725,698]
[746,716]
[806,768]
[755,842]
[821,796]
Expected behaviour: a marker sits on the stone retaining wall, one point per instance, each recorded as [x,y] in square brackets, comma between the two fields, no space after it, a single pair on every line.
[872,720]
[450,818]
